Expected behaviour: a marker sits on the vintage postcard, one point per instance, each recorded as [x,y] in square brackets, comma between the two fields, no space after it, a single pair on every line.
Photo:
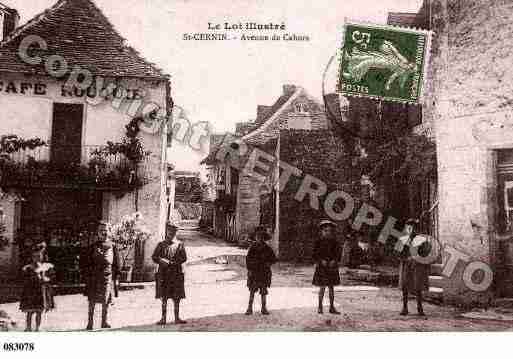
[254,166]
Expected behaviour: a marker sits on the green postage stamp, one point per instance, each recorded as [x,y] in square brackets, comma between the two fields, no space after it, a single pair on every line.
[383,62]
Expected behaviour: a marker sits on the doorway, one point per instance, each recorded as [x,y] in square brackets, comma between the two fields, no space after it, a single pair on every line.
[66,221]
[66,145]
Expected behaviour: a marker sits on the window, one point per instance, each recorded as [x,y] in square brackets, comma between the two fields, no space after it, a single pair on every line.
[301,108]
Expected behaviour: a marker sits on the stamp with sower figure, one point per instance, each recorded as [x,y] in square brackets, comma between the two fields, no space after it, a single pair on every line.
[383,62]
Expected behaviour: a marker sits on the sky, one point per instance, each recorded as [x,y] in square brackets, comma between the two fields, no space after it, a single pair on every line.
[222,82]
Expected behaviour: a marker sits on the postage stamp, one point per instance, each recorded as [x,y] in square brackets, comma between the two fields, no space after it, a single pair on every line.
[383,62]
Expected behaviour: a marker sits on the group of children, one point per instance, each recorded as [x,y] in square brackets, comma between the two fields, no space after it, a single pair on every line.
[327,254]
[37,296]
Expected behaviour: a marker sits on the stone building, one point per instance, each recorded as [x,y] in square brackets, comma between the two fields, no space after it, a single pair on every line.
[469,103]
[57,192]
[467,111]
[294,130]
[213,217]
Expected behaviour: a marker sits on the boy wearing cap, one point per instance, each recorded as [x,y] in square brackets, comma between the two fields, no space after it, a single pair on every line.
[259,260]
[101,272]
[327,254]
[170,254]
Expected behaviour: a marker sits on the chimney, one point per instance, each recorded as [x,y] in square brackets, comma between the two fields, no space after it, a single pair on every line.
[289,89]
[9,19]
[261,111]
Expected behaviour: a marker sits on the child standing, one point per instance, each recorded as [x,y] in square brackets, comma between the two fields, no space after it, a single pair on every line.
[413,275]
[170,254]
[327,254]
[37,296]
[259,260]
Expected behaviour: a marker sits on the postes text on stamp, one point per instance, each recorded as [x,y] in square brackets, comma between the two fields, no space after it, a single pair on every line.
[383,62]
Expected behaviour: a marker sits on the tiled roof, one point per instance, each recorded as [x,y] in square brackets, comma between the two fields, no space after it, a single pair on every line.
[216,141]
[282,100]
[8,9]
[402,19]
[420,20]
[211,157]
[261,112]
[78,31]
[267,127]
[243,128]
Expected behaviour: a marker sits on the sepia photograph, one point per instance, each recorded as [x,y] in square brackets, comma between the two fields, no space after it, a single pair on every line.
[254,166]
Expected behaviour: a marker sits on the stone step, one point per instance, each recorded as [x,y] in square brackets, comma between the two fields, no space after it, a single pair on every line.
[436,269]
[435,295]
[363,275]
[436,281]
[503,303]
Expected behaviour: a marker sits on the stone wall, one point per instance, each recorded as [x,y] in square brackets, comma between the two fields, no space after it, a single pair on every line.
[471,104]
[248,195]
[319,154]
[248,205]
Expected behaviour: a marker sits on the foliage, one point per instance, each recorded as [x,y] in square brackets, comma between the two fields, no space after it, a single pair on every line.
[11,143]
[406,159]
[97,173]
[127,233]
[130,146]
[387,150]
[100,171]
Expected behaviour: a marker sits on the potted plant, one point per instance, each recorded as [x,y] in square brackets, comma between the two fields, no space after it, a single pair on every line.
[126,234]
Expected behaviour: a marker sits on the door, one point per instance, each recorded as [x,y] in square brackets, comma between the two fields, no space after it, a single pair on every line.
[63,219]
[65,147]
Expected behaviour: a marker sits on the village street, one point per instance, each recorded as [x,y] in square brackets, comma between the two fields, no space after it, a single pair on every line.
[217,294]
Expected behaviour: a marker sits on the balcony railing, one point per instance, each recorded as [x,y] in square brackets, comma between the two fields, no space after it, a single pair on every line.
[70,166]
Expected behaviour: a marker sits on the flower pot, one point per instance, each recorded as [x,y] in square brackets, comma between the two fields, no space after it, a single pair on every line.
[126,275]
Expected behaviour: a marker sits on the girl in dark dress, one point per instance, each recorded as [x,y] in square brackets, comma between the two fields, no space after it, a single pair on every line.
[37,296]
[170,254]
[413,275]
[259,260]
[327,254]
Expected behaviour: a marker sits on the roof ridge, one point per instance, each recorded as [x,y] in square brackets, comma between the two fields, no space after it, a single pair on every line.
[33,21]
[272,117]
[271,110]
[125,42]
[146,67]
[142,57]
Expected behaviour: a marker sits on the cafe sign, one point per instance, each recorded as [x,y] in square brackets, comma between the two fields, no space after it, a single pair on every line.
[38,88]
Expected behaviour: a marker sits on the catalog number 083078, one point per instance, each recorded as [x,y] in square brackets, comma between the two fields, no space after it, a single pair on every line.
[18,347]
